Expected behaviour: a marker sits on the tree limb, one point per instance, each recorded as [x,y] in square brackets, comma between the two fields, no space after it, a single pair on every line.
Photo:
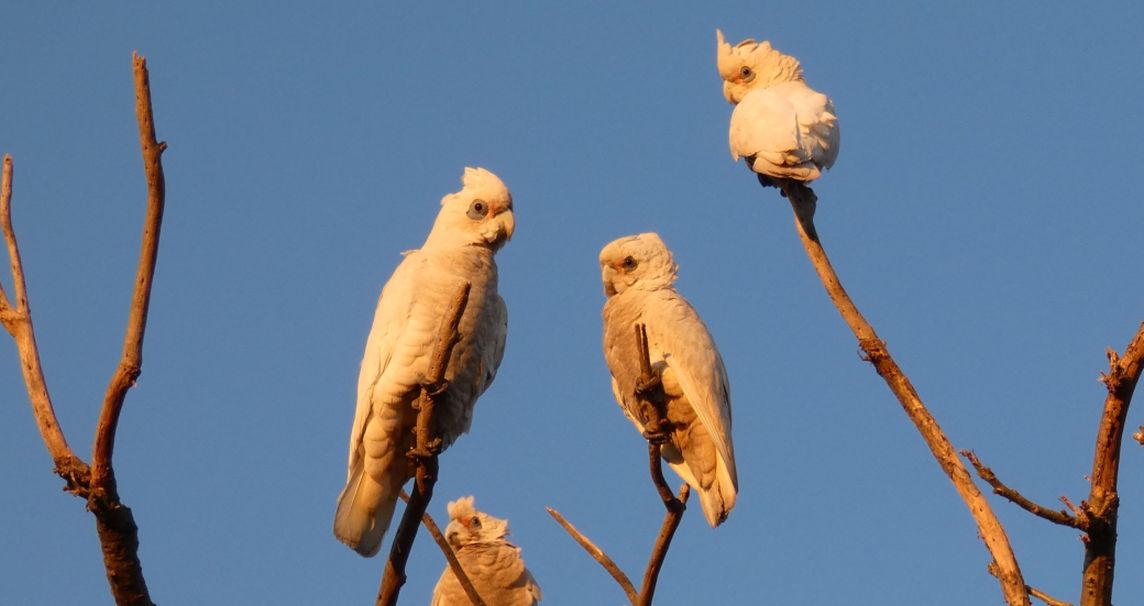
[671,520]
[130,364]
[424,453]
[18,322]
[598,555]
[802,201]
[450,556]
[118,534]
[1103,503]
[1061,516]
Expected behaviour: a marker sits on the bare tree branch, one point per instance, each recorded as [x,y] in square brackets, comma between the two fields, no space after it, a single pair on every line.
[424,453]
[102,473]
[802,201]
[671,520]
[118,534]
[1046,598]
[1061,516]
[450,556]
[653,408]
[598,555]
[1103,503]
[18,322]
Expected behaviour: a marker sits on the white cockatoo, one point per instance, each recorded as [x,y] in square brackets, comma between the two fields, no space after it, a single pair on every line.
[492,563]
[639,275]
[784,128]
[471,226]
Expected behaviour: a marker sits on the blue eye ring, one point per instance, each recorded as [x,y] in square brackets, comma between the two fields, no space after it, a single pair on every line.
[478,209]
[630,263]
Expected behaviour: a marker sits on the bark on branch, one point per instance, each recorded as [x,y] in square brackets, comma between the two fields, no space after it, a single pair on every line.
[652,404]
[424,453]
[802,201]
[1103,502]
[115,525]
[1058,516]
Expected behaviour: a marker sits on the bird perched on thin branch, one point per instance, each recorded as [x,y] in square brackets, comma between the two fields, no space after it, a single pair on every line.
[786,131]
[639,275]
[471,226]
[492,563]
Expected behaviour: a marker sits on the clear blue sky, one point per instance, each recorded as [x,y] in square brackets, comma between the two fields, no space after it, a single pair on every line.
[984,213]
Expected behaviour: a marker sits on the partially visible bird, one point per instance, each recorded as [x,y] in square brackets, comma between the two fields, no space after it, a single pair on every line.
[639,275]
[471,226]
[786,131]
[492,563]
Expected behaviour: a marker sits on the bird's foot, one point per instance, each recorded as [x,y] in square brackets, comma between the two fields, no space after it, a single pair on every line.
[418,455]
[649,388]
[436,388]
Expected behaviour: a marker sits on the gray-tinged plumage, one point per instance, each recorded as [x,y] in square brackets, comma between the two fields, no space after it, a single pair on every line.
[492,563]
[470,227]
[639,274]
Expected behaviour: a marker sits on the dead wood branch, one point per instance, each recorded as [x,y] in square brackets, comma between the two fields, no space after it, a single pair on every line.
[598,555]
[652,410]
[671,519]
[450,556]
[424,453]
[1103,502]
[1058,516]
[802,201]
[18,322]
[115,525]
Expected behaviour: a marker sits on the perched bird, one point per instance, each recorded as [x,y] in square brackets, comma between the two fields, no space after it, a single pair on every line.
[492,563]
[784,128]
[638,274]
[471,226]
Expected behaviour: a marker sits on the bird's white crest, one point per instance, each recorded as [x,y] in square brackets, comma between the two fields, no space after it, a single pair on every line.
[784,128]
[492,563]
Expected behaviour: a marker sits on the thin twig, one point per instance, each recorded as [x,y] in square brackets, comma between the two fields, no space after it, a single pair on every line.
[1061,516]
[653,405]
[425,451]
[1046,598]
[131,362]
[598,555]
[989,528]
[1103,502]
[671,519]
[450,556]
[18,322]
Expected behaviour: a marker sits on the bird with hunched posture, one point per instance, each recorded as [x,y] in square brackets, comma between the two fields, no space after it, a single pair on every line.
[492,563]
[786,131]
[639,275]
[471,226]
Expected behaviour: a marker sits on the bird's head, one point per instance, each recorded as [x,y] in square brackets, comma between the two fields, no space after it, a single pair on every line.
[750,65]
[478,215]
[468,526]
[642,262]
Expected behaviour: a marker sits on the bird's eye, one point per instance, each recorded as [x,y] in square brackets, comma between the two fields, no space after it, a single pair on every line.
[746,74]
[475,522]
[478,209]
[630,263]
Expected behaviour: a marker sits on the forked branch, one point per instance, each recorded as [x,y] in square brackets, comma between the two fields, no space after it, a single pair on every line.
[118,534]
[1058,516]
[424,454]
[1103,502]
[802,200]
[652,409]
